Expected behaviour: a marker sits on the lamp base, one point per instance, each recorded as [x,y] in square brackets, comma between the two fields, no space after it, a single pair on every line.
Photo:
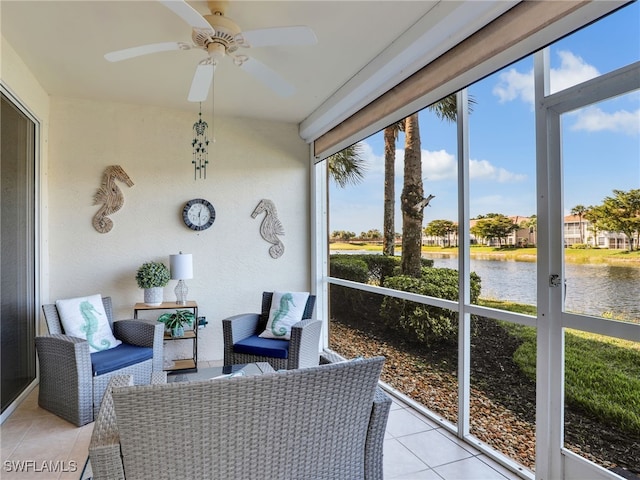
[181,292]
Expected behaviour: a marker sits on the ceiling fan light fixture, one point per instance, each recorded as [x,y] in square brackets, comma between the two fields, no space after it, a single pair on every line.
[216,51]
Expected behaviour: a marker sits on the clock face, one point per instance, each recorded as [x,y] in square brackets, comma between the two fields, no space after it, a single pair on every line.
[198,214]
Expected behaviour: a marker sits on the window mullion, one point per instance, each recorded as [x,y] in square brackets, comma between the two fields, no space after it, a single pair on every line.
[464,317]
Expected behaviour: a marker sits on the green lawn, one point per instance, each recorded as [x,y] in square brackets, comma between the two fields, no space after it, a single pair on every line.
[602,374]
[587,256]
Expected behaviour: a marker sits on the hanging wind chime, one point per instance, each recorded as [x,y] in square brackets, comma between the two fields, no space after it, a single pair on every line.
[200,146]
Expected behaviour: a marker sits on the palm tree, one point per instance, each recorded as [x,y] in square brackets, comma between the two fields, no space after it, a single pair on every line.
[412,195]
[390,137]
[532,225]
[594,216]
[579,210]
[412,199]
[347,166]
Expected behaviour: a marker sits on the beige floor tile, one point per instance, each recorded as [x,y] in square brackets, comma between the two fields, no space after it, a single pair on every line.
[12,432]
[411,444]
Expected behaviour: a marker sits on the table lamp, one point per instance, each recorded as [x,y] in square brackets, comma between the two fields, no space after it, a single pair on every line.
[181,266]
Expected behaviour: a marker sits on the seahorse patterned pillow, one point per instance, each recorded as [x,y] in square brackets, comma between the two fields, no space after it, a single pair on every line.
[84,317]
[287,309]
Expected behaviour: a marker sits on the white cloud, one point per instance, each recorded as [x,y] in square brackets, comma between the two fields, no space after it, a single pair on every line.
[513,84]
[482,169]
[593,119]
[573,70]
[441,165]
[374,163]
[438,165]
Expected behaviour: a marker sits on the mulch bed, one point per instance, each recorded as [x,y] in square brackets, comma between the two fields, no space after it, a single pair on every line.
[502,397]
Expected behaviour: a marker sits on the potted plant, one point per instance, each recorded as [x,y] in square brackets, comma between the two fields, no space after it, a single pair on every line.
[153,276]
[176,321]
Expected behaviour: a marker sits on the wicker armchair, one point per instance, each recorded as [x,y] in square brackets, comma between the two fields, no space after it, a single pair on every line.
[324,422]
[302,350]
[68,386]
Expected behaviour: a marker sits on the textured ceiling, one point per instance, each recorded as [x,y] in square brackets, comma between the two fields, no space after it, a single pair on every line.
[63,43]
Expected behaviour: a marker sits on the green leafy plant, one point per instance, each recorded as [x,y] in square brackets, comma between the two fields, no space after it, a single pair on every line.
[179,318]
[152,274]
[374,271]
[425,323]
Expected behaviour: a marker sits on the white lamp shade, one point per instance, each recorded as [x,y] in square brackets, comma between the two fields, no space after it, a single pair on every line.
[181,266]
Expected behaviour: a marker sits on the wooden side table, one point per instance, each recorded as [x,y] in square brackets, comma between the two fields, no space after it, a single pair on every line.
[186,363]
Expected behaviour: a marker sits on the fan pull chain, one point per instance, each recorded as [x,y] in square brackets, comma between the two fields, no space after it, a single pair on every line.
[213,112]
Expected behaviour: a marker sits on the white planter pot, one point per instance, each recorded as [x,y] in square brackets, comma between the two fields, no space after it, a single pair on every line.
[153,296]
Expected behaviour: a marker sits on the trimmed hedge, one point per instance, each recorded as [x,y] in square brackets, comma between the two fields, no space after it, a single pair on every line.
[420,322]
[426,323]
[349,267]
[345,300]
[378,267]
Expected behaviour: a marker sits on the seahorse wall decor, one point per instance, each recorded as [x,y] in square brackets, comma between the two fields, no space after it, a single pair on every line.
[110,195]
[270,226]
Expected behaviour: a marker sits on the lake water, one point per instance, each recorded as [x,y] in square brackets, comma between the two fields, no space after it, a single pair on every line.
[590,289]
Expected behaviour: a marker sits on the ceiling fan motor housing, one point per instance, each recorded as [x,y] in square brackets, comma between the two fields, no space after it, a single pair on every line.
[226,32]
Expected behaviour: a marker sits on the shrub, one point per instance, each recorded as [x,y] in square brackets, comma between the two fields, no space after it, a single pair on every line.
[348,267]
[580,246]
[379,267]
[426,323]
[344,299]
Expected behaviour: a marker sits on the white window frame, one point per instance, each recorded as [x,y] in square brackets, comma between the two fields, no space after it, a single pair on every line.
[553,461]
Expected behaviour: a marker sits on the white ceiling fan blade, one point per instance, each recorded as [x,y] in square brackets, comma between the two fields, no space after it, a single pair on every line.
[127,53]
[187,13]
[267,76]
[268,37]
[201,81]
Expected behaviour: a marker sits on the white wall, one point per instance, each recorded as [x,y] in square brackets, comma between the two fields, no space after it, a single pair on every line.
[250,160]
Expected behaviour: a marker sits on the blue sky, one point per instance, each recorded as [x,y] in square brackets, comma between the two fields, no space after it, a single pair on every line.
[601,143]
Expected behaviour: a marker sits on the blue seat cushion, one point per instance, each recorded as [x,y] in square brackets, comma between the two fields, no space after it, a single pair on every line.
[124,355]
[264,347]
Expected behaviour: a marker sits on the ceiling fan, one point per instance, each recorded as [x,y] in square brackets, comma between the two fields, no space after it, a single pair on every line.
[221,37]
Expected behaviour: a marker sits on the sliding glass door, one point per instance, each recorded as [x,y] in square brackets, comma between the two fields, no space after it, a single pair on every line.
[17,252]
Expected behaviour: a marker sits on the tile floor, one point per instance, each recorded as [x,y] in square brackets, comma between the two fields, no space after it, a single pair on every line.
[415,448]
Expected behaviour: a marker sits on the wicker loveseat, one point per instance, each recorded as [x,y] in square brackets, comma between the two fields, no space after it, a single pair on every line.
[323,422]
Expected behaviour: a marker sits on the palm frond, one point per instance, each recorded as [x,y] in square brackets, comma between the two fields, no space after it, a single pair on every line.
[347,166]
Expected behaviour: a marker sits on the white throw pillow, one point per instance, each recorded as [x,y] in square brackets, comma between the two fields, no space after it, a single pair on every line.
[287,309]
[85,317]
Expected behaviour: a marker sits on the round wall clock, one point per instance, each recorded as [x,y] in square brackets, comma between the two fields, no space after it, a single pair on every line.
[198,214]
